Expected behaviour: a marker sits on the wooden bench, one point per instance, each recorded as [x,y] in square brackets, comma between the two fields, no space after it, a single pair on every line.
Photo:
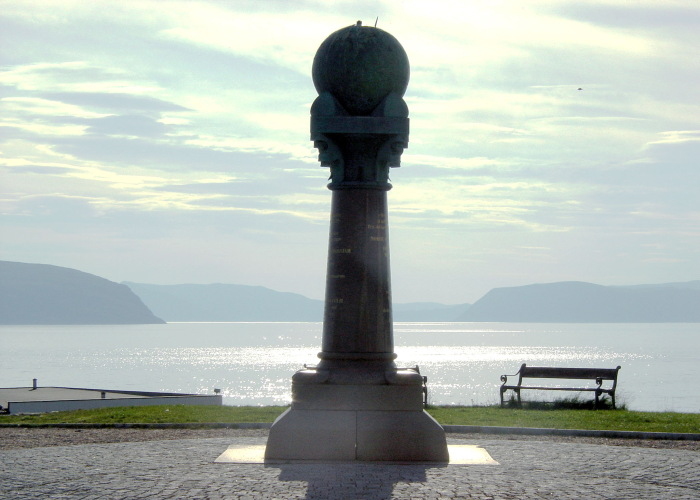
[541,372]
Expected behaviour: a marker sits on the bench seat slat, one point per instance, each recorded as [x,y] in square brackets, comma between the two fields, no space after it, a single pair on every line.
[569,373]
[555,388]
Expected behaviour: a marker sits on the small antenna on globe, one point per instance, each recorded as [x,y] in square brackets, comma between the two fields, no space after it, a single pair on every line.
[376,21]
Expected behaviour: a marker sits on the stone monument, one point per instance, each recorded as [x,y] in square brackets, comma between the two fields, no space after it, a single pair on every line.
[356,404]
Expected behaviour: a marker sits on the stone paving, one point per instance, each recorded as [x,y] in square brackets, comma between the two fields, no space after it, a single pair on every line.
[186,469]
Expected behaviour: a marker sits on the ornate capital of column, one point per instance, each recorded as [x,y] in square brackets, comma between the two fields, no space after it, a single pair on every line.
[359,149]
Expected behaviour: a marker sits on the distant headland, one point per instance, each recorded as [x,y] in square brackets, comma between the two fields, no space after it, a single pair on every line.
[579,302]
[40,294]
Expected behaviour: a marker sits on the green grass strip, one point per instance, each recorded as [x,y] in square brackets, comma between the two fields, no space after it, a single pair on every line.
[153,415]
[622,420]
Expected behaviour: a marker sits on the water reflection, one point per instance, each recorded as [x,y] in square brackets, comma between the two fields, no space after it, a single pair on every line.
[252,363]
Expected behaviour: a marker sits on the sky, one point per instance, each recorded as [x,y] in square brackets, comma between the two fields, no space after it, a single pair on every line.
[168,142]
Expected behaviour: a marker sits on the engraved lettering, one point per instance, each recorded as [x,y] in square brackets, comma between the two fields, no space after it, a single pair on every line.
[342,250]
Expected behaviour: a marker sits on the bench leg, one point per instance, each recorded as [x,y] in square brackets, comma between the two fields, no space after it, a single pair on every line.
[517,394]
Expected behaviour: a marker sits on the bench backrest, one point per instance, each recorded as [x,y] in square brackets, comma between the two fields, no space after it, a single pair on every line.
[567,373]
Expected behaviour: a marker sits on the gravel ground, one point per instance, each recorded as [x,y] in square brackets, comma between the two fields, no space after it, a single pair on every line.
[27,437]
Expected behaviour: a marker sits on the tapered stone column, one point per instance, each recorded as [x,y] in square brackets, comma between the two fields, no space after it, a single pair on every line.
[356,404]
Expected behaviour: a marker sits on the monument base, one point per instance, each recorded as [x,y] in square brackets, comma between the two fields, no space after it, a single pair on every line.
[347,422]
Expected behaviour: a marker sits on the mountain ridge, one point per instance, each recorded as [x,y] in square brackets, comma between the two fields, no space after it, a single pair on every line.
[42,294]
[232,302]
[226,302]
[582,302]
[45,294]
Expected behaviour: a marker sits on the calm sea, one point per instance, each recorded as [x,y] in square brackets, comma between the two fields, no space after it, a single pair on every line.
[252,363]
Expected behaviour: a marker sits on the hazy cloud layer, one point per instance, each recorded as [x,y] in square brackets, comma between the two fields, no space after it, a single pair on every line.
[167,142]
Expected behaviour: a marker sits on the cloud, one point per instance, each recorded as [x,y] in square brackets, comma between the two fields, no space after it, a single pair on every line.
[116,102]
[676,137]
[184,126]
[45,107]
[72,76]
[132,126]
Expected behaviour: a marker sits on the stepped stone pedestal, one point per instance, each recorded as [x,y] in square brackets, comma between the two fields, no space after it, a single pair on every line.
[356,404]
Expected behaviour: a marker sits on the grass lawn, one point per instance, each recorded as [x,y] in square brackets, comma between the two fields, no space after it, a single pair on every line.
[446,415]
[621,420]
[177,414]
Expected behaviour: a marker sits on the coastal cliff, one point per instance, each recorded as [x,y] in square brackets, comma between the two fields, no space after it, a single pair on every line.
[39,294]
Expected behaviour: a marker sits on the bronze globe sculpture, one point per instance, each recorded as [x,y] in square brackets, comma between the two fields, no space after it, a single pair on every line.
[360,66]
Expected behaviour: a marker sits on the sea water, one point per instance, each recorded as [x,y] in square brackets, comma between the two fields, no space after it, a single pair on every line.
[252,363]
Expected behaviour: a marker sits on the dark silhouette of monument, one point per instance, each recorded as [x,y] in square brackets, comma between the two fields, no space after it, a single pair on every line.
[356,404]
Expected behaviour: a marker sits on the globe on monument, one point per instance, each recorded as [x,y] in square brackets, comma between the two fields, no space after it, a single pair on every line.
[359,66]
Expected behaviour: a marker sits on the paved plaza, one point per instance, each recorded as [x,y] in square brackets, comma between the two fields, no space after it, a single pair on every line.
[186,469]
